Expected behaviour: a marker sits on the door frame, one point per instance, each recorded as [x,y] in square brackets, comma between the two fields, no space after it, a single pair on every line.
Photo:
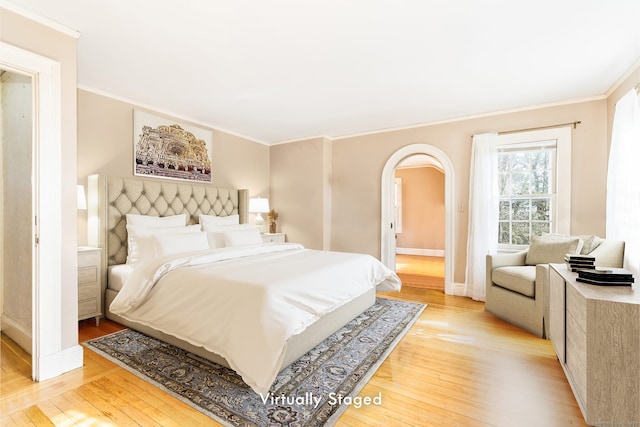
[387,214]
[46,334]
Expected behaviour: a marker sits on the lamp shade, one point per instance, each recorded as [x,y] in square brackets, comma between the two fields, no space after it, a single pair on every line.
[258,205]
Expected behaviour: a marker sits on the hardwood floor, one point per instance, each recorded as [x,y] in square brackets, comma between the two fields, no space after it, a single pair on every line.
[457,366]
[421,271]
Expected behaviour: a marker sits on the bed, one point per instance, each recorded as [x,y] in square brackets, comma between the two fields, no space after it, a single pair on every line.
[165,297]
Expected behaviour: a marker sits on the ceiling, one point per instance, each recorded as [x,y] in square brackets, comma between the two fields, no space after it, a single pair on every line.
[419,161]
[282,70]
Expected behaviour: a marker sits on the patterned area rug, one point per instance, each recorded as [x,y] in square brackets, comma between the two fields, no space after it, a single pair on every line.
[313,391]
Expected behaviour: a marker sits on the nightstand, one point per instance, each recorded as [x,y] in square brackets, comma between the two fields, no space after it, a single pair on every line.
[273,237]
[89,283]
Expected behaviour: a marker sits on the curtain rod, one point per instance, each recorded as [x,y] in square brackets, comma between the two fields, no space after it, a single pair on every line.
[559,125]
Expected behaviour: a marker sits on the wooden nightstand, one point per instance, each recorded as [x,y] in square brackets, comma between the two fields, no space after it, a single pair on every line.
[273,237]
[89,283]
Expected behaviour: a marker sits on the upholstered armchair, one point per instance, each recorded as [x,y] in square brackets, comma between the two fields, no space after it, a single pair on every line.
[518,283]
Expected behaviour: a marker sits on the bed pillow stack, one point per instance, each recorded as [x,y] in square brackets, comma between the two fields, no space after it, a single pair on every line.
[152,236]
[226,231]
[149,237]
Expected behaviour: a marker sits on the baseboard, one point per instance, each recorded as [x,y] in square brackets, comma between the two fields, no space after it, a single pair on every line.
[458,289]
[56,364]
[16,332]
[421,252]
[72,358]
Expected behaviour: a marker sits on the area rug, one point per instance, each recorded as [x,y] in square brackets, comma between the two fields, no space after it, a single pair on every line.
[313,391]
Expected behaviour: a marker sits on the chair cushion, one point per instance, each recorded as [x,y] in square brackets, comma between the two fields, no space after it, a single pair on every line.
[548,249]
[520,279]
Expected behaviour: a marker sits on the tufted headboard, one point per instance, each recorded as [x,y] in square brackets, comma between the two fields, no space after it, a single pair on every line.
[110,199]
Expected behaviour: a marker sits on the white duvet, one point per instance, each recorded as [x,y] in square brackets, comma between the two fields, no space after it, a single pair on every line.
[245,303]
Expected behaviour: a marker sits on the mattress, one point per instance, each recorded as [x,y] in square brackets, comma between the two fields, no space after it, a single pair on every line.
[117,275]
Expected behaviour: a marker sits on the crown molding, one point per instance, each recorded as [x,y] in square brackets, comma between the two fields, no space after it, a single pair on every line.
[4,4]
[166,112]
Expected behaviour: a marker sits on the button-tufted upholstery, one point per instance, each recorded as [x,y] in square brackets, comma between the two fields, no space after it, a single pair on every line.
[121,196]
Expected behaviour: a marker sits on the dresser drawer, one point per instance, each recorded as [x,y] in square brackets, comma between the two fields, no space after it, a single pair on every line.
[577,337]
[87,275]
[273,238]
[577,306]
[576,356]
[87,308]
[88,290]
[88,259]
[578,373]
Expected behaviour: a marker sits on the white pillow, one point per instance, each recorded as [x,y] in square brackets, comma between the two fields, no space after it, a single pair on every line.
[548,249]
[209,221]
[157,221]
[249,236]
[140,240]
[171,244]
[215,235]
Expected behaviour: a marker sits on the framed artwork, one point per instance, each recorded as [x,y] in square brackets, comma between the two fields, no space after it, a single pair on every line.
[164,148]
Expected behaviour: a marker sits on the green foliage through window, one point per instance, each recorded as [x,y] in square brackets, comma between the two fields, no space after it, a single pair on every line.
[525,184]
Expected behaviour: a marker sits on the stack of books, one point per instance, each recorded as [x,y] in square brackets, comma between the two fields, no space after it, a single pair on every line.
[606,276]
[577,262]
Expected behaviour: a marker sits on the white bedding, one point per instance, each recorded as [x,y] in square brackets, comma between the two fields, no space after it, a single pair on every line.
[245,303]
[117,275]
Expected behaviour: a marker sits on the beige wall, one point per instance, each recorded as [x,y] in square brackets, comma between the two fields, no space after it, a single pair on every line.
[105,146]
[422,208]
[37,38]
[358,161]
[300,177]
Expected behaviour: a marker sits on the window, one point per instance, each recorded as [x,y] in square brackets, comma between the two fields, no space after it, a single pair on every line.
[534,187]
[398,204]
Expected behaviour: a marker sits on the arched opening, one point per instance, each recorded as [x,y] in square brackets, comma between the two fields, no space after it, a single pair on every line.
[419,202]
[388,208]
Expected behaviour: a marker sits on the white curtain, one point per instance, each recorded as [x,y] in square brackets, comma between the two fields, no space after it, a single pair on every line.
[623,179]
[483,213]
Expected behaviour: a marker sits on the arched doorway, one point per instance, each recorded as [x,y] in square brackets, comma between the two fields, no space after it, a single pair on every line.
[388,237]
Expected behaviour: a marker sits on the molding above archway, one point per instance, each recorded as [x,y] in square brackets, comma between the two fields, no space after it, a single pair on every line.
[387,232]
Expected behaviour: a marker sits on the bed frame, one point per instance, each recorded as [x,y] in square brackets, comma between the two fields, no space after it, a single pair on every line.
[110,199]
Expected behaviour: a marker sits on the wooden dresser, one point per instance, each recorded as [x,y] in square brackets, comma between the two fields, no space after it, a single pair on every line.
[89,283]
[595,331]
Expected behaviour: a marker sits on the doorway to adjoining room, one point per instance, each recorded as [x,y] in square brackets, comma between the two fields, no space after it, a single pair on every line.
[392,217]
[420,221]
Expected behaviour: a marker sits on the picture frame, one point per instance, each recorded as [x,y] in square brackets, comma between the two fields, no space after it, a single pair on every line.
[168,149]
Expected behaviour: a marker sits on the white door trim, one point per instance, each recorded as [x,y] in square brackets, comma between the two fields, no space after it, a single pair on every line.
[47,358]
[388,235]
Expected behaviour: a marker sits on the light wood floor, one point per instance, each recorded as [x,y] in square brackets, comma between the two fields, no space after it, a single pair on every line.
[457,366]
[421,271]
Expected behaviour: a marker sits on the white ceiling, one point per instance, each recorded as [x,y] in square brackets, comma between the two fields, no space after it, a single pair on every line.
[281,70]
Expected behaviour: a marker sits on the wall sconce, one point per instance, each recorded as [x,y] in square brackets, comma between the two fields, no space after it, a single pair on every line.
[82,200]
[259,206]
